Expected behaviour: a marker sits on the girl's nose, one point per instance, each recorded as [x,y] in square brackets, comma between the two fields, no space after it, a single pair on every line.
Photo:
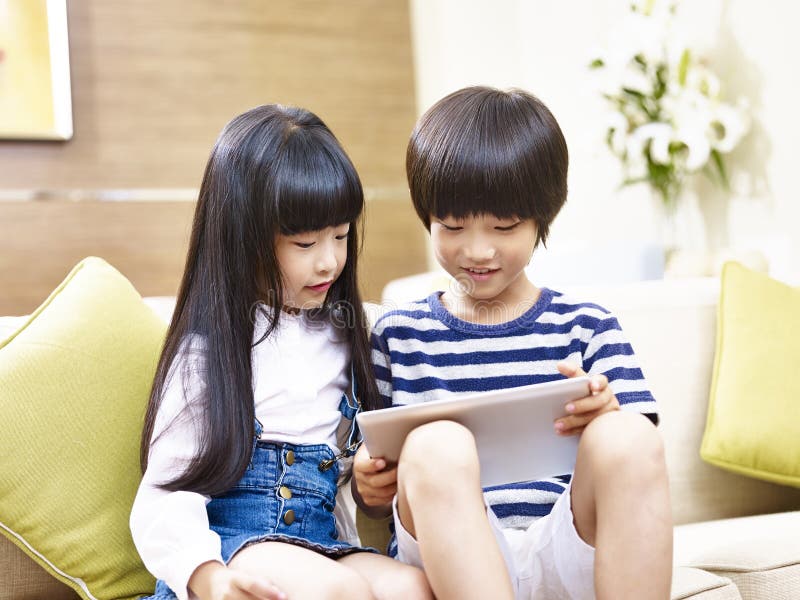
[326,261]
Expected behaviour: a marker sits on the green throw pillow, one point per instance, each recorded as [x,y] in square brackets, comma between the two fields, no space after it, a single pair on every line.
[74,383]
[753,425]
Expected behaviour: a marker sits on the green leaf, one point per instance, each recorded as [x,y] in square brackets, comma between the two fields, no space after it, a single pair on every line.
[597,63]
[683,67]
[720,164]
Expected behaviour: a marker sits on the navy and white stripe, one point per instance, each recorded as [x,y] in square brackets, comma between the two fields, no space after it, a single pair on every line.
[421,352]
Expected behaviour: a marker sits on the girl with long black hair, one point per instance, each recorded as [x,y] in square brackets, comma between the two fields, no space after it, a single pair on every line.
[265,364]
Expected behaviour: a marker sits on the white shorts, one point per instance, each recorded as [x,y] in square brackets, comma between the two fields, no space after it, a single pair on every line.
[547,560]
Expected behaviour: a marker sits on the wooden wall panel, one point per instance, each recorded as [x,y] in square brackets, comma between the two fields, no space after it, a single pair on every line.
[40,241]
[153,83]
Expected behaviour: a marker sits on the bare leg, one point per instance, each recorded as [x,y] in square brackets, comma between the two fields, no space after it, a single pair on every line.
[302,573]
[440,503]
[621,506]
[388,578]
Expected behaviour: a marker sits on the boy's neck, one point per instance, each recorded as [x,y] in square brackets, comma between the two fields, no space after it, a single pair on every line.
[497,310]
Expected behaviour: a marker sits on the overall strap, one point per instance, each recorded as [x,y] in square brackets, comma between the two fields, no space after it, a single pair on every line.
[350,406]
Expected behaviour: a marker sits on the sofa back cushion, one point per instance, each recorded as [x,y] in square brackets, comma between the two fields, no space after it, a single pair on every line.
[671,325]
[753,425]
[74,382]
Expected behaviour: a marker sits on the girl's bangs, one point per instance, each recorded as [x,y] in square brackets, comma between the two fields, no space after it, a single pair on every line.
[314,191]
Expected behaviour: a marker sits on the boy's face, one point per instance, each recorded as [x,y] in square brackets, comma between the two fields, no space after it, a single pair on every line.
[486,254]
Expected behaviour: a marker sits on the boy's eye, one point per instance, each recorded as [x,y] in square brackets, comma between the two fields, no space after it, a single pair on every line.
[451,227]
[507,227]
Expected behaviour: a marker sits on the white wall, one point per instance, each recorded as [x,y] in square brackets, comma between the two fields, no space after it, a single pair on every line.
[544,46]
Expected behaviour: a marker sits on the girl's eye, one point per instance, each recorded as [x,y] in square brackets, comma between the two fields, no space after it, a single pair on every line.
[342,237]
[304,244]
[508,227]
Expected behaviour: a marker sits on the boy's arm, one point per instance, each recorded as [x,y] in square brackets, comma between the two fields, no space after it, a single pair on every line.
[616,379]
[609,353]
[372,487]
[381,365]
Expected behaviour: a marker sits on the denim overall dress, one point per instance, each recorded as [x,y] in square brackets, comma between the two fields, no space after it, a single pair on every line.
[287,494]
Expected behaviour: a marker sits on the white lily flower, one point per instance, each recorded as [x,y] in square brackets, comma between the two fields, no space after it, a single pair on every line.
[698,146]
[728,127]
[659,135]
[675,116]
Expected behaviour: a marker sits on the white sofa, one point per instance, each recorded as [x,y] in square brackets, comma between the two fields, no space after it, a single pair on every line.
[721,551]
[733,537]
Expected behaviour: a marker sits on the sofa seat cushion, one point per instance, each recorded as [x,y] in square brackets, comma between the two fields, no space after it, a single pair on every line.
[696,584]
[23,579]
[760,554]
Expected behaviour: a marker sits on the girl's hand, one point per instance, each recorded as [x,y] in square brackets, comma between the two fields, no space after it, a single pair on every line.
[581,412]
[213,580]
[373,485]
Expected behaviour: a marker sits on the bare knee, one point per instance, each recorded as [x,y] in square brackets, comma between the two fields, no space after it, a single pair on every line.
[345,582]
[623,440]
[441,453]
[403,583]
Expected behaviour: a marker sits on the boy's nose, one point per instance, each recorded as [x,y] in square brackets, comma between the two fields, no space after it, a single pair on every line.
[480,251]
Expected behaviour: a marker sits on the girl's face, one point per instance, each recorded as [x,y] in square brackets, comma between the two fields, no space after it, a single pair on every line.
[310,262]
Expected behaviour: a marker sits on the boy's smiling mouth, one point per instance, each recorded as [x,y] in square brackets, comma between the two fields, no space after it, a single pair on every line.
[479,274]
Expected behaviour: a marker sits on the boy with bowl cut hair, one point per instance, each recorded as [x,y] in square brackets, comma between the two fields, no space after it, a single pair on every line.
[487,170]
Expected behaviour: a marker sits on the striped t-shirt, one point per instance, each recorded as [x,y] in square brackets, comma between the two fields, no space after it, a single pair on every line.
[422,352]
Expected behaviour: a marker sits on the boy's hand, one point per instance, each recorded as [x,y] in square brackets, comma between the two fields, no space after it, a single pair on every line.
[581,412]
[374,485]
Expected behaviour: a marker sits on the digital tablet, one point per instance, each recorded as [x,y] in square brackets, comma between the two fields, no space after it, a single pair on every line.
[513,429]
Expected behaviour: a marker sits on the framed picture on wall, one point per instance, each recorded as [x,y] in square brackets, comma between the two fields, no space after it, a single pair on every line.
[35,95]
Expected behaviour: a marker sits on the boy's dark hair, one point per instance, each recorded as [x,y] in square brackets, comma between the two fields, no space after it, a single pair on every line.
[481,150]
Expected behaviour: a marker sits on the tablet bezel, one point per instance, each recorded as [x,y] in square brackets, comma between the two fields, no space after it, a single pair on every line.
[513,428]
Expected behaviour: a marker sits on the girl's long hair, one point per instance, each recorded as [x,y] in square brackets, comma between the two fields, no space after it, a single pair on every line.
[273,169]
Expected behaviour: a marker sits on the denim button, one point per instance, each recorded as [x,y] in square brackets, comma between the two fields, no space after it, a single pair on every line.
[288,517]
[285,492]
[290,457]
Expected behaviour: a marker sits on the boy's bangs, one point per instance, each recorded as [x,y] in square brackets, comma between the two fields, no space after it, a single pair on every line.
[316,192]
[481,183]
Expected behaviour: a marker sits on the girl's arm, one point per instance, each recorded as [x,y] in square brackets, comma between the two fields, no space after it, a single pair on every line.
[170,529]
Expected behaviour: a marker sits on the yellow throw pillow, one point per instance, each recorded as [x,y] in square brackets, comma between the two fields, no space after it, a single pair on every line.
[74,383]
[753,425]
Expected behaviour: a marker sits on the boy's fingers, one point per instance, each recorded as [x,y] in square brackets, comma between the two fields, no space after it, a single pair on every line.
[382,479]
[380,498]
[598,383]
[569,369]
[364,464]
[587,404]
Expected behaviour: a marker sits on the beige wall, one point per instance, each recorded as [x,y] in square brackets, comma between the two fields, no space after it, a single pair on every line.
[546,46]
[153,82]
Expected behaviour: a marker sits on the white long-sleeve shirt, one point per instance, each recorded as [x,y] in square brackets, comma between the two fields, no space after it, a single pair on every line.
[299,374]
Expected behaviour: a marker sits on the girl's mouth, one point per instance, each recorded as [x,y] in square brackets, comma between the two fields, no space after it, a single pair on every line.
[322,287]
